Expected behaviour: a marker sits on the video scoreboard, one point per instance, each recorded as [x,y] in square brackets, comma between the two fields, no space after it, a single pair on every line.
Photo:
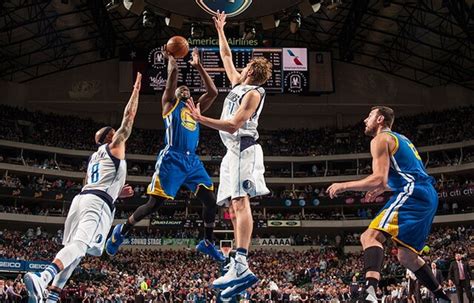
[289,74]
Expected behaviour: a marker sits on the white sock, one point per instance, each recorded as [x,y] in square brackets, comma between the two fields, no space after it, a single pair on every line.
[53,297]
[241,262]
[49,273]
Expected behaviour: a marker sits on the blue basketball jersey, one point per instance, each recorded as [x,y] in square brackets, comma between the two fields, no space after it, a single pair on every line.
[177,163]
[182,132]
[406,165]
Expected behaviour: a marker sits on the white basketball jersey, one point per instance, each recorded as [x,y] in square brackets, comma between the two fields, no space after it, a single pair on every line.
[231,105]
[106,173]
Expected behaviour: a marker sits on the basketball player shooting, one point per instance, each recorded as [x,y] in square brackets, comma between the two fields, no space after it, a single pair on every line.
[92,211]
[408,214]
[177,163]
[241,172]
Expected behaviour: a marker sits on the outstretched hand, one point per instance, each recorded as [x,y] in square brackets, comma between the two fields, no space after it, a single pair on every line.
[168,56]
[194,110]
[335,189]
[219,20]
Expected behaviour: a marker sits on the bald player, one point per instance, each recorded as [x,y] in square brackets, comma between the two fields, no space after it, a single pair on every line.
[92,210]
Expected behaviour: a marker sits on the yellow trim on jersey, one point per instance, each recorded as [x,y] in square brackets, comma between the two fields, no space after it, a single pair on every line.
[406,245]
[392,227]
[395,149]
[203,185]
[172,109]
[154,188]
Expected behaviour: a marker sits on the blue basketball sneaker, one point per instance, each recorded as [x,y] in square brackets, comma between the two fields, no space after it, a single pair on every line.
[207,248]
[115,240]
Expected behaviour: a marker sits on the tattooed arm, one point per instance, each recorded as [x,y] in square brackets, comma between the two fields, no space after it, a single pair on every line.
[117,147]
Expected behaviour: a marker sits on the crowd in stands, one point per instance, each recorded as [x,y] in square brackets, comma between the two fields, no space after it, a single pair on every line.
[337,168]
[423,129]
[322,274]
[341,213]
[306,198]
[309,192]
[40,183]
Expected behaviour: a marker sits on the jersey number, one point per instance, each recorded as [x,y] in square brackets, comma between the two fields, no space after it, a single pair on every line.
[417,155]
[231,107]
[95,173]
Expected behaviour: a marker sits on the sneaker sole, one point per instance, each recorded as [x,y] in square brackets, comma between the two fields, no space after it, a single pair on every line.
[234,282]
[33,296]
[237,289]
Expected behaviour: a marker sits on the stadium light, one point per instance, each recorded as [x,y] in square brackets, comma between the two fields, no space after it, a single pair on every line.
[112,5]
[174,20]
[249,31]
[197,31]
[308,7]
[148,19]
[295,22]
[269,22]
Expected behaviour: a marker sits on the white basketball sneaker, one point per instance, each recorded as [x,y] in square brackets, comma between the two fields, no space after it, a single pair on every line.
[238,273]
[35,286]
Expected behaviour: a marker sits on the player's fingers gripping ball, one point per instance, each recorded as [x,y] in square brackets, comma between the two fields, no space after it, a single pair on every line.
[177,46]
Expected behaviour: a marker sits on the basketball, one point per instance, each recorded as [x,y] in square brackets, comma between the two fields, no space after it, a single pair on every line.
[177,46]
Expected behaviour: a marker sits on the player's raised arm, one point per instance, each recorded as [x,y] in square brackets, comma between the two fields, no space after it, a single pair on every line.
[168,98]
[224,49]
[376,183]
[210,95]
[247,108]
[117,146]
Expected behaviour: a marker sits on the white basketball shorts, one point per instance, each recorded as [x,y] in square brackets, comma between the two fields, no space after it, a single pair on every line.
[89,221]
[242,173]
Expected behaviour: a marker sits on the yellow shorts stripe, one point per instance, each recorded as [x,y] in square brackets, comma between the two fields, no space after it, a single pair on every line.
[154,188]
[203,185]
[391,226]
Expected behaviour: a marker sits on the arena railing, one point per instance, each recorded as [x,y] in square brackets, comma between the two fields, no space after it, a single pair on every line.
[291,163]
[464,218]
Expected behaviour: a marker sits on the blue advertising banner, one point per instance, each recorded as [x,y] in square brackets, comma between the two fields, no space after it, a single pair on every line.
[11,265]
[35,265]
[22,266]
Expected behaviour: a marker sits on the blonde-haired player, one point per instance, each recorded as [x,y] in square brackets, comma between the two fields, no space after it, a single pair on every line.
[241,173]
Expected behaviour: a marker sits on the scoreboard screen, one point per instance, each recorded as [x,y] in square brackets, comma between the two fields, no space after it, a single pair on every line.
[289,73]
[241,56]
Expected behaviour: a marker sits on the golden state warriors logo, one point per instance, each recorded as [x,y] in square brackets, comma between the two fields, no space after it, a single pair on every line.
[230,7]
[186,120]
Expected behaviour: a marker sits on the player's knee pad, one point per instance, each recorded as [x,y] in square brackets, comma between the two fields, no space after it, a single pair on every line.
[71,252]
[373,259]
[208,199]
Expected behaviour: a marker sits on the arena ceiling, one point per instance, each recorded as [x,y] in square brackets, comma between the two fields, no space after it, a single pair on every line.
[426,41]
